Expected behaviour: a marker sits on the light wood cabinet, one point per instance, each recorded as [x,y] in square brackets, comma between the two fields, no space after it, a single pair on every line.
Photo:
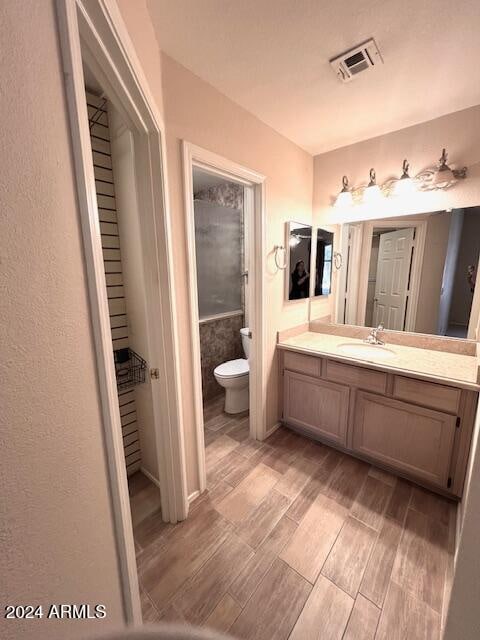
[319,406]
[420,429]
[429,394]
[412,439]
[360,377]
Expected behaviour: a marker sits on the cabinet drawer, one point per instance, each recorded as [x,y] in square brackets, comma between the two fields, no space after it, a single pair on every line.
[316,405]
[356,376]
[411,439]
[309,365]
[429,394]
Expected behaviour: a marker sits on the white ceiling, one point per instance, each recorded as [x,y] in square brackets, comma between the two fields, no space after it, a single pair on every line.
[271,57]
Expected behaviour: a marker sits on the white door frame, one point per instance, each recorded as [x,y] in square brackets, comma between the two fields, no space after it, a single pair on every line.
[95,30]
[194,156]
[347,279]
[359,270]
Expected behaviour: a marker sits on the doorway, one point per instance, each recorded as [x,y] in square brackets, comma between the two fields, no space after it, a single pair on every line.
[389,278]
[398,287]
[224,206]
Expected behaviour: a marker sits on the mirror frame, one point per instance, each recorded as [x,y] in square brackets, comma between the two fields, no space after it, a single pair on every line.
[314,264]
[287,259]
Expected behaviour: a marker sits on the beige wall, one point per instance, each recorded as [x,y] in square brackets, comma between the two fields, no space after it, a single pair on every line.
[196,112]
[56,525]
[136,17]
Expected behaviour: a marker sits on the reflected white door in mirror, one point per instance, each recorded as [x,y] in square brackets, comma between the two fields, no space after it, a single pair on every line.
[413,273]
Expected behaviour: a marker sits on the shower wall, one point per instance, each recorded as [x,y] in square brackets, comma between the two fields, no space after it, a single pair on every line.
[219,236]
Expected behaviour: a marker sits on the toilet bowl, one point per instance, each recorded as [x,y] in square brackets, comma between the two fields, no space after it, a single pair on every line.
[233,377]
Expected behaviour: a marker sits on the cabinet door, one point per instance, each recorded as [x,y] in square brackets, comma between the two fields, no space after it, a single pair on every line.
[412,439]
[316,405]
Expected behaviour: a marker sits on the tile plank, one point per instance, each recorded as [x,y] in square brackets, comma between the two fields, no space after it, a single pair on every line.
[163,571]
[347,480]
[218,450]
[203,591]
[307,495]
[311,543]
[421,562]
[240,502]
[275,606]
[379,568]
[398,504]
[224,614]
[297,476]
[348,558]
[384,476]
[432,505]
[251,575]
[371,502]
[325,614]
[406,618]
[363,621]
[263,519]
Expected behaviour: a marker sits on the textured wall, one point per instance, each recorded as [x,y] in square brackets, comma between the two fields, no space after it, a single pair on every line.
[220,340]
[56,525]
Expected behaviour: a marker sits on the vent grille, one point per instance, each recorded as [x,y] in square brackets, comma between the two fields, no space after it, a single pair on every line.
[354,61]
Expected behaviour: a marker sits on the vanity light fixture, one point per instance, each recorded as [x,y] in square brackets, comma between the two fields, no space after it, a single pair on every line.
[344,198]
[372,192]
[404,185]
[294,240]
[445,176]
[432,178]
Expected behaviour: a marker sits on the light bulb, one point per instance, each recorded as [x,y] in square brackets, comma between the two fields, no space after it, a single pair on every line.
[344,198]
[405,186]
[372,193]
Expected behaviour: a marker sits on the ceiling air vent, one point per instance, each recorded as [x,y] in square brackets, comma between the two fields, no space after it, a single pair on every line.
[361,58]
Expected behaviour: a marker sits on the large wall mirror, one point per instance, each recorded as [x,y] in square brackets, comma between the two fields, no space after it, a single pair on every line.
[299,252]
[322,280]
[414,273]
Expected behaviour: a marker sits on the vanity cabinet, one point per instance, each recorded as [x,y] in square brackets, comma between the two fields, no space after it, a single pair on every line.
[316,405]
[412,439]
[419,429]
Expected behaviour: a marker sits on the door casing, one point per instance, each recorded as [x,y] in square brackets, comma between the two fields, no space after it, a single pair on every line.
[254,206]
[94,31]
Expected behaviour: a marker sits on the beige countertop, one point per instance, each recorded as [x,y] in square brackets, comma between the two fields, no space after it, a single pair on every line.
[439,366]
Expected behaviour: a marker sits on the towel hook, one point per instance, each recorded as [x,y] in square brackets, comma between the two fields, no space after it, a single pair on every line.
[337,260]
[277,248]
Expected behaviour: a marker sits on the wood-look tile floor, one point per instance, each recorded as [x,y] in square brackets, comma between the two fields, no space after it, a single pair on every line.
[296,540]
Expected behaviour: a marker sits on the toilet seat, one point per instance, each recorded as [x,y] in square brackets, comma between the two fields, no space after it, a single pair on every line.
[232,369]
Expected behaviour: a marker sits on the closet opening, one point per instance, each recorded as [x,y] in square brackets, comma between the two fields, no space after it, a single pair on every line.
[113,158]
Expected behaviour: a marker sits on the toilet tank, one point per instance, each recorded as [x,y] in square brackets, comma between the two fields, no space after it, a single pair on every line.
[245,333]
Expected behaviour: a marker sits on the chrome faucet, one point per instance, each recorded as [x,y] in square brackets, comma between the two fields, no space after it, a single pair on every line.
[373,338]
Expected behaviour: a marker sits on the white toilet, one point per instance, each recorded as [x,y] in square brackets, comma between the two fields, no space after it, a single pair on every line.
[233,376]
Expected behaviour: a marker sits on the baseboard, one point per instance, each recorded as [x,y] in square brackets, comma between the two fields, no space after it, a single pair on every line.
[150,477]
[193,495]
[272,429]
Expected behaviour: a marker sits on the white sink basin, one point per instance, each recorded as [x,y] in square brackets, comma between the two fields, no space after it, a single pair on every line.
[365,351]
